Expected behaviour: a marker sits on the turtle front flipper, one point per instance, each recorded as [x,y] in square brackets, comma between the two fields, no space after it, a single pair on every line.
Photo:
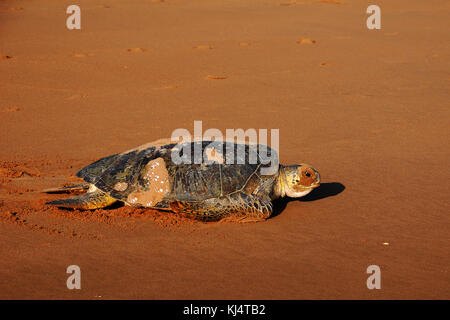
[237,206]
[87,201]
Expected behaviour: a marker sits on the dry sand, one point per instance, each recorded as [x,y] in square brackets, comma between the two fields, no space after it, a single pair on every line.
[369,109]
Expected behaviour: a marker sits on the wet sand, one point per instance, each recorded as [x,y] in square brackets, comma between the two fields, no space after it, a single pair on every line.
[368,109]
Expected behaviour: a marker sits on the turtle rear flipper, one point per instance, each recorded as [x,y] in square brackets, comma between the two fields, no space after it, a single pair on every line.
[90,200]
[79,187]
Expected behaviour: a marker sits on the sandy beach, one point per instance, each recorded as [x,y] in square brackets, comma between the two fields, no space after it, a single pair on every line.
[368,108]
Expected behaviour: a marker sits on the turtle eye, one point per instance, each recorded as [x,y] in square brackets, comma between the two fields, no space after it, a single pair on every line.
[307,174]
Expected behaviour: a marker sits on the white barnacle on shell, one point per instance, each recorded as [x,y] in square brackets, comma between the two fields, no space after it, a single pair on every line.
[120,186]
[214,156]
[133,200]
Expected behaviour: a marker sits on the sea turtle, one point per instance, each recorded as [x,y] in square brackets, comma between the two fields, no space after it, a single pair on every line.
[210,189]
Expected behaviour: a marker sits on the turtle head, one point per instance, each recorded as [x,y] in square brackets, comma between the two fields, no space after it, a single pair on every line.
[297,181]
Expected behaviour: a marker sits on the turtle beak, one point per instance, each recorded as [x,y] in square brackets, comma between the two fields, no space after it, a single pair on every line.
[317,182]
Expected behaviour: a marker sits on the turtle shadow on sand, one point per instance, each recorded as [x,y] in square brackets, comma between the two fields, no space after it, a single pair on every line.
[325,190]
